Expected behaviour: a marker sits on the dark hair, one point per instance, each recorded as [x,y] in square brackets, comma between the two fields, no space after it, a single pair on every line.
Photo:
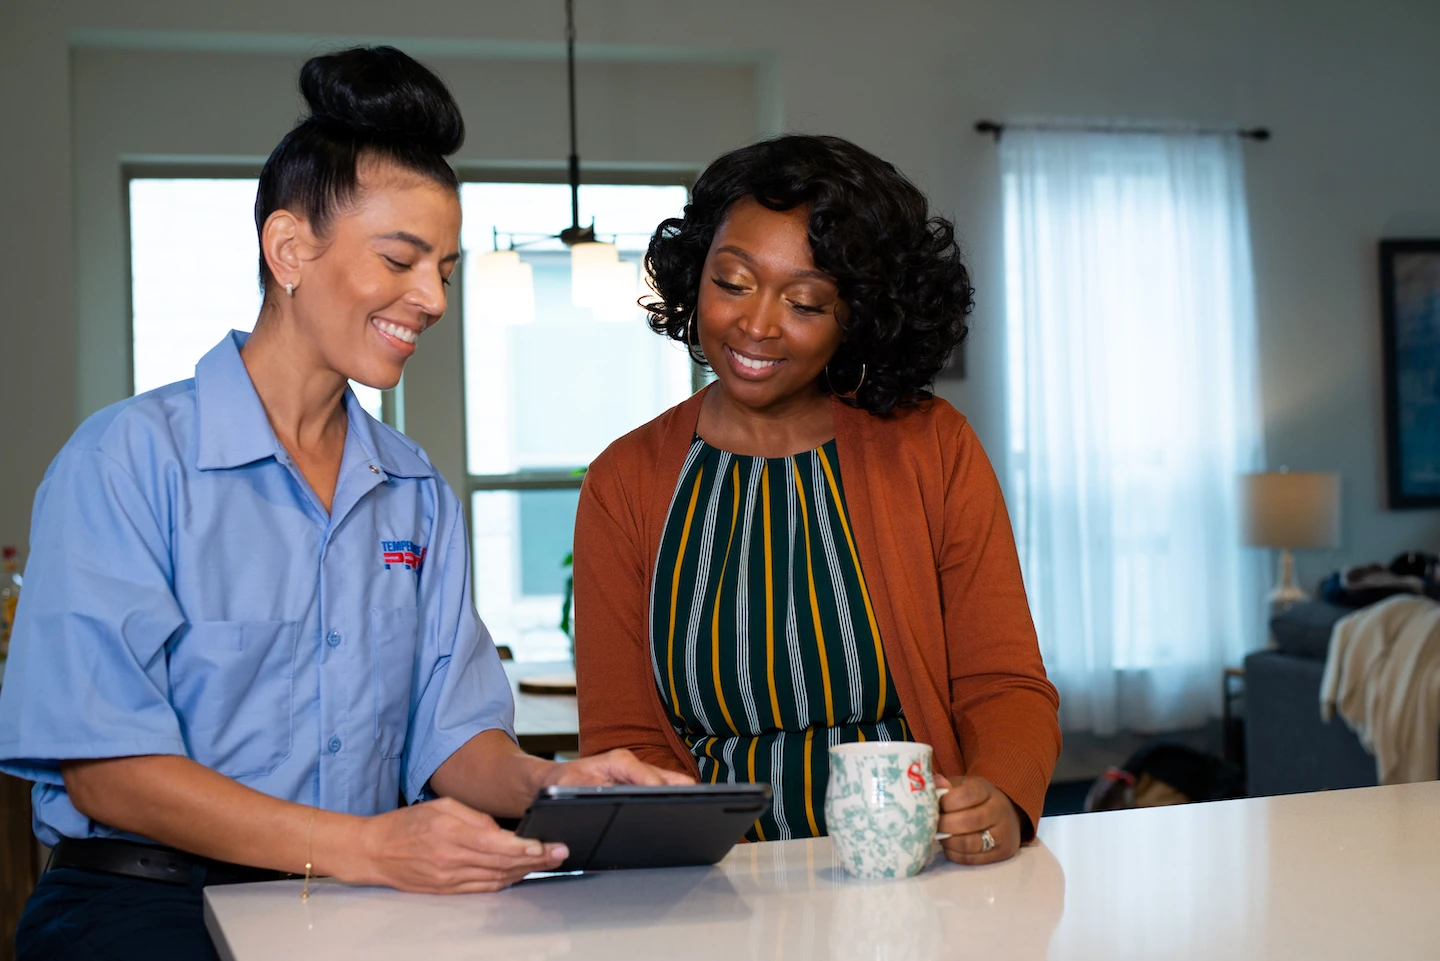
[365,101]
[897,268]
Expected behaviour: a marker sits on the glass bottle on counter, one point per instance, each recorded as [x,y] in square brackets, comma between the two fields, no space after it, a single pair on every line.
[10,581]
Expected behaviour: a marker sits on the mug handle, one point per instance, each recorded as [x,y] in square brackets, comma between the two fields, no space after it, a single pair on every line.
[939,793]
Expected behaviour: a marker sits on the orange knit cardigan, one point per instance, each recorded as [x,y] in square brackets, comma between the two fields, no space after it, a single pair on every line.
[939,558]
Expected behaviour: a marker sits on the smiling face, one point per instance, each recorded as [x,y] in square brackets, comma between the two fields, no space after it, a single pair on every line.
[769,320]
[368,289]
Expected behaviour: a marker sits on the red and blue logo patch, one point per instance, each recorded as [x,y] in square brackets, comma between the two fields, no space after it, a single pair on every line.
[406,553]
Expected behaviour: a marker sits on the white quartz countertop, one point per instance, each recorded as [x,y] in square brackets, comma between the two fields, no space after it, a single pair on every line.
[1346,874]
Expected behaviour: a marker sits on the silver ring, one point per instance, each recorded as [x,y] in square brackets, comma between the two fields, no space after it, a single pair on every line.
[987,841]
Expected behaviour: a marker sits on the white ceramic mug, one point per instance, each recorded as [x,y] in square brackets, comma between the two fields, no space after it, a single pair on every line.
[881,807]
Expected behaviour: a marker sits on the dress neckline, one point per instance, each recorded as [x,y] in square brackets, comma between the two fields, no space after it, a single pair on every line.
[697,439]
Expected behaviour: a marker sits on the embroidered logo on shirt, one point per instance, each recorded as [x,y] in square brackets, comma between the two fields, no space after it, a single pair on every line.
[408,553]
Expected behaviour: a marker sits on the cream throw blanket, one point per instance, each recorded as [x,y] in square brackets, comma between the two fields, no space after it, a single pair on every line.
[1383,675]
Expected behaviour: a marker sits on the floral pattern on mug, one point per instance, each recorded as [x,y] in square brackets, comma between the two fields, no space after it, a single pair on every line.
[881,808]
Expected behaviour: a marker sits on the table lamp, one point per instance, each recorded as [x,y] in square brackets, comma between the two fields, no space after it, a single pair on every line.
[1290,510]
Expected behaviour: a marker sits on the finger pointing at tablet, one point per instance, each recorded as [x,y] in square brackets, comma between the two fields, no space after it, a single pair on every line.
[614,767]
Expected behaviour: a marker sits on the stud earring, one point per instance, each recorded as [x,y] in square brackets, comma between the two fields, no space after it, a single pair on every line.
[290,290]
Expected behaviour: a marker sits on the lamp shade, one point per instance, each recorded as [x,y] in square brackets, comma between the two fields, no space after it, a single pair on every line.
[600,280]
[505,288]
[1290,509]
[592,273]
[621,302]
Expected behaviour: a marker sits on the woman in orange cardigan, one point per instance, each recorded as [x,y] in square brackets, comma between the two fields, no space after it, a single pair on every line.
[814,549]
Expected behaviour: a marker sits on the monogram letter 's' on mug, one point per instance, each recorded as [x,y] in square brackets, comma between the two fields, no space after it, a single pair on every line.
[881,808]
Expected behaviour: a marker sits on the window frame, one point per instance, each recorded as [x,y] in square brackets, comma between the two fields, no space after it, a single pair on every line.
[393,401]
[569,477]
[660,175]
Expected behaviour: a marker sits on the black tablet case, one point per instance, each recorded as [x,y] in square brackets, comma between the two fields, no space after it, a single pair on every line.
[615,829]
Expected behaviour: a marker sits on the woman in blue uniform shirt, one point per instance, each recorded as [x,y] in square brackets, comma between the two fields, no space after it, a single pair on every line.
[247,628]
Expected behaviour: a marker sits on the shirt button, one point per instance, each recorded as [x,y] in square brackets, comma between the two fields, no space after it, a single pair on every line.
[334,745]
[333,638]
[374,469]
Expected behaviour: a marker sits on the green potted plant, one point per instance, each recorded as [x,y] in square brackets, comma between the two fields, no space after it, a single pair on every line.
[567,606]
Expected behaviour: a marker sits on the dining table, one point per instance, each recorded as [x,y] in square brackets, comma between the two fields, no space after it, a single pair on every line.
[545,724]
[1337,875]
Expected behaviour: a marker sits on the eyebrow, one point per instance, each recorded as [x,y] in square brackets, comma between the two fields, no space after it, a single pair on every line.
[419,243]
[745,256]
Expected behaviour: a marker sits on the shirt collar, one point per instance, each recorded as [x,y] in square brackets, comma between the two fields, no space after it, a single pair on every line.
[383,445]
[234,430]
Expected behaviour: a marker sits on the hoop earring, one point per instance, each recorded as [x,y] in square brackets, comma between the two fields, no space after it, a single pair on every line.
[853,392]
[290,290]
[692,341]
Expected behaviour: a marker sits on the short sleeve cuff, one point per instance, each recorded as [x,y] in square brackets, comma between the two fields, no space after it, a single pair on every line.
[40,762]
[438,749]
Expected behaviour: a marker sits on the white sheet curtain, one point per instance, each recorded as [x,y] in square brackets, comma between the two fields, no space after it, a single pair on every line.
[1133,406]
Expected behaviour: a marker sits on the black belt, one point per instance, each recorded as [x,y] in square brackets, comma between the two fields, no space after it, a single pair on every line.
[152,863]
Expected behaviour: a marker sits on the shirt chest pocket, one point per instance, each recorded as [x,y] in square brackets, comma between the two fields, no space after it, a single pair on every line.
[393,639]
[232,685]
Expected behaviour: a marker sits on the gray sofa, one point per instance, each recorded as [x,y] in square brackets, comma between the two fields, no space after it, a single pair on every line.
[1288,749]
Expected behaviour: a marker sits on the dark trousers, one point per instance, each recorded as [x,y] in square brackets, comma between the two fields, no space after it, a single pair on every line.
[80,915]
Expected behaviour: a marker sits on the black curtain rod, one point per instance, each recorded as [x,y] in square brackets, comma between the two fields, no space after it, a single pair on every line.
[994,129]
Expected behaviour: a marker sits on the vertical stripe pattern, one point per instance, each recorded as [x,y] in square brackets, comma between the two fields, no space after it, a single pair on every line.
[763,634]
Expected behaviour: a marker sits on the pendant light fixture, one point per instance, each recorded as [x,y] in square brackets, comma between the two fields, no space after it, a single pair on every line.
[507,287]
[599,279]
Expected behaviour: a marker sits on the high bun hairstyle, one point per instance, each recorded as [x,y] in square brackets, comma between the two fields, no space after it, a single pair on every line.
[364,102]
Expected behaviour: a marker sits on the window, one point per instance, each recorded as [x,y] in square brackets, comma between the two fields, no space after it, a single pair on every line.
[193,275]
[542,399]
[1133,407]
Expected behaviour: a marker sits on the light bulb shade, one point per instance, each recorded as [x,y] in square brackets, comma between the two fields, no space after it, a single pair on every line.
[589,267]
[1290,509]
[504,288]
[621,293]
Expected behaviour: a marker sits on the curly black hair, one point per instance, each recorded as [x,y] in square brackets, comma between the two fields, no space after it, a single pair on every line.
[897,268]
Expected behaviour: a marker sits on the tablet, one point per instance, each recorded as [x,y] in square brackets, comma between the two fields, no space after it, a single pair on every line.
[644,827]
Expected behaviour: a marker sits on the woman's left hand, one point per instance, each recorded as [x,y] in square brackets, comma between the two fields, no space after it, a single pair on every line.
[613,767]
[972,806]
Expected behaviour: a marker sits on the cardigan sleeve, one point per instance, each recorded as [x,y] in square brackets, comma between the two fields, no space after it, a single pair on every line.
[1004,709]
[613,673]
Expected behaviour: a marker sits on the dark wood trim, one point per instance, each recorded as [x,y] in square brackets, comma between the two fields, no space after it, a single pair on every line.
[18,868]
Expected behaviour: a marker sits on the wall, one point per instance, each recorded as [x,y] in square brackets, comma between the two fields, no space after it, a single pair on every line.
[1348,91]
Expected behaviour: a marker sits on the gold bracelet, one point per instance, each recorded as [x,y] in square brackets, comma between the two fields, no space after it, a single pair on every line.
[309,833]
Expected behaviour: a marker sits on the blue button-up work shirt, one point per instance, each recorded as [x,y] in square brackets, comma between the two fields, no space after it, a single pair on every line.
[188,594]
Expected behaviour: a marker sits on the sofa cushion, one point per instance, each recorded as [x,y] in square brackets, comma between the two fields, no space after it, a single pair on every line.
[1303,629]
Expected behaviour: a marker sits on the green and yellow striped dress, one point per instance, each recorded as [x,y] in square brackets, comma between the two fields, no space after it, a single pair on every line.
[763,636]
